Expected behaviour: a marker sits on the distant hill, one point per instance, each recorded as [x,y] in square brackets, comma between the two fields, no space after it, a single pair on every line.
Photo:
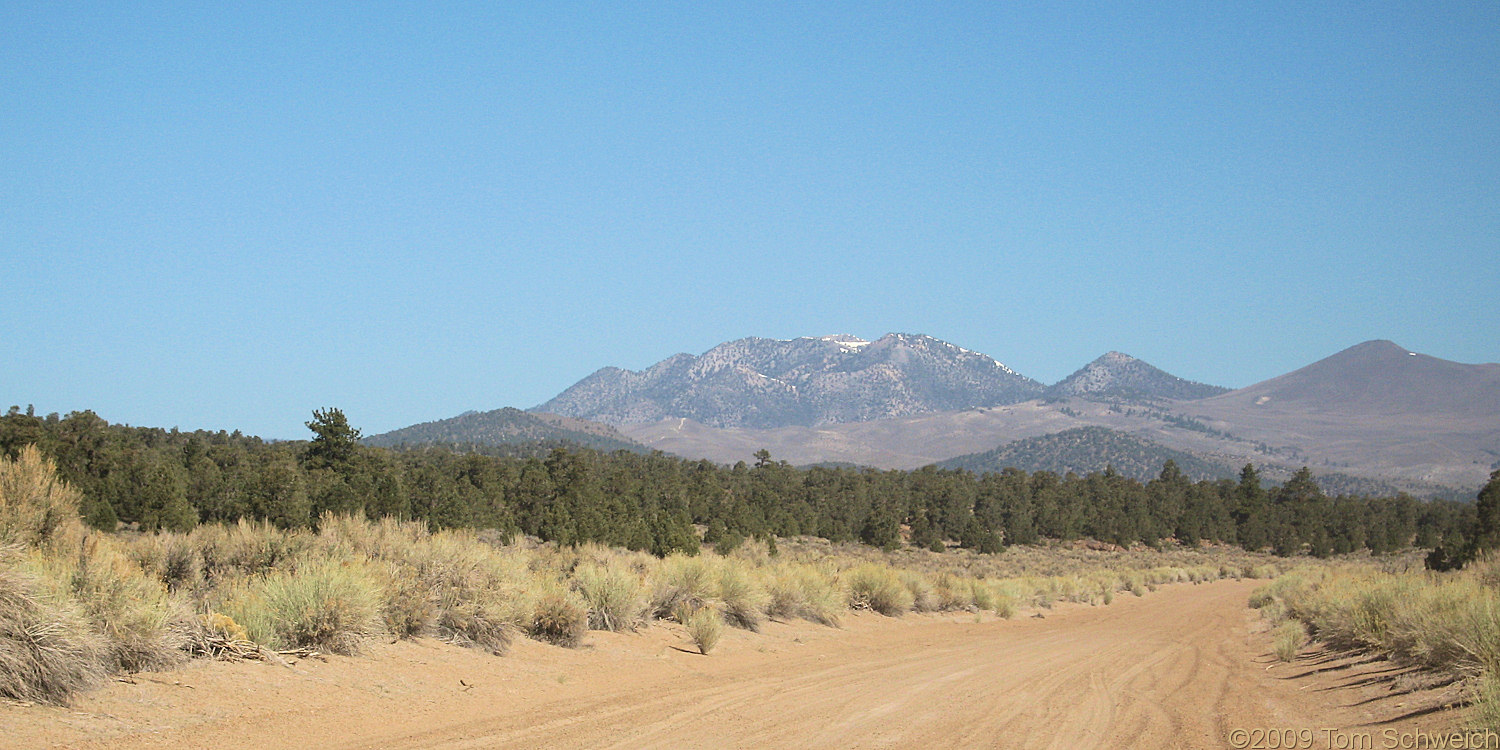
[1121,376]
[507,427]
[767,383]
[1378,378]
[1085,450]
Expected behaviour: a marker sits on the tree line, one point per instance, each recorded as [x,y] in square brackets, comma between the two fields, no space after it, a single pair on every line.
[153,478]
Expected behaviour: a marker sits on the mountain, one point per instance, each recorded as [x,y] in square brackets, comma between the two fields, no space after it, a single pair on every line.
[1374,415]
[1379,378]
[1084,450]
[768,383]
[507,426]
[1121,376]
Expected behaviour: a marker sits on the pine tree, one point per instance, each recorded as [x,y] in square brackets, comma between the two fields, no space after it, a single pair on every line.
[334,441]
[1487,522]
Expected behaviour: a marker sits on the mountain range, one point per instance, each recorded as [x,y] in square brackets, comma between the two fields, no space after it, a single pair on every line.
[1375,413]
[761,383]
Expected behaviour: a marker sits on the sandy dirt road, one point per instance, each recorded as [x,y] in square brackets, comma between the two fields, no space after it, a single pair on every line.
[1183,667]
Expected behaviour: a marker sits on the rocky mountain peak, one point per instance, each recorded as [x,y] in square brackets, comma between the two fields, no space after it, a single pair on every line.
[759,382]
[1116,375]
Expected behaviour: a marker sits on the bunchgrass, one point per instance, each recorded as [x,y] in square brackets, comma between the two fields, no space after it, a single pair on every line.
[326,606]
[37,509]
[132,611]
[1287,639]
[558,616]
[683,580]
[48,650]
[742,600]
[704,625]
[614,596]
[879,589]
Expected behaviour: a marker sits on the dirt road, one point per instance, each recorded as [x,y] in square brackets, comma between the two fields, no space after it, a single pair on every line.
[1182,667]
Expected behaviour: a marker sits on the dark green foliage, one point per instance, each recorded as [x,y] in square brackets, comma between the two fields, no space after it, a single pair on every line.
[99,514]
[981,538]
[650,501]
[729,542]
[1451,554]
[334,441]
[1487,521]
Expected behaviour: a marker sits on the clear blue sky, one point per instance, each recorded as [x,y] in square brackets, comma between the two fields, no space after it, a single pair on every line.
[226,217]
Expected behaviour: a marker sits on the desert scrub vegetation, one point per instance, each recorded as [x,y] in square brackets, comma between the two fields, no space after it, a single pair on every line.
[558,617]
[1445,622]
[47,649]
[705,625]
[78,604]
[1287,639]
[879,588]
[614,596]
[325,605]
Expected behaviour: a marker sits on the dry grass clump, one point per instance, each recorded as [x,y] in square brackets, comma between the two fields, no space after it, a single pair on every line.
[682,580]
[477,599]
[922,599]
[880,589]
[982,594]
[1486,702]
[952,593]
[407,603]
[37,509]
[803,591]
[1007,597]
[247,548]
[48,651]
[131,610]
[171,559]
[1287,639]
[704,625]
[325,605]
[742,600]
[615,597]
[558,617]
[450,584]
[1445,622]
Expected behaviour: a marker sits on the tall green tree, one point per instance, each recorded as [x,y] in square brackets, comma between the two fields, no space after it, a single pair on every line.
[334,442]
[1487,521]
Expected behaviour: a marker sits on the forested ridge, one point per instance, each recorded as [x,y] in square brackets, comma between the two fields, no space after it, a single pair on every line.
[158,478]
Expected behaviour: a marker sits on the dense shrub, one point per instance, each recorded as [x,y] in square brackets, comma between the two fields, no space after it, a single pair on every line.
[614,597]
[48,651]
[324,605]
[878,588]
[704,625]
[558,617]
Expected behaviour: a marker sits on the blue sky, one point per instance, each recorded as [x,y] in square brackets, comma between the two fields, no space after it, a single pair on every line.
[225,217]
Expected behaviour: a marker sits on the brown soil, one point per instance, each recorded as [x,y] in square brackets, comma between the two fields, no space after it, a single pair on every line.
[1182,667]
